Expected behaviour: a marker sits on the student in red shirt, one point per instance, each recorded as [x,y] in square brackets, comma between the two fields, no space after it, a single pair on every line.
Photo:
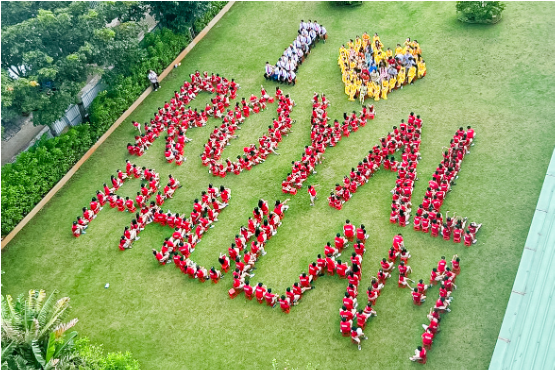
[362,319]
[468,239]
[349,231]
[398,242]
[386,266]
[260,291]
[271,298]
[361,234]
[78,229]
[305,282]
[442,305]
[420,355]
[359,247]
[95,206]
[285,304]
[340,242]
[418,297]
[357,335]
[215,275]
[248,290]
[345,326]
[455,265]
[427,337]
[312,194]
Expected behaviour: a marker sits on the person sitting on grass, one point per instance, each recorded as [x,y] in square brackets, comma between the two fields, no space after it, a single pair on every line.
[357,335]
[420,355]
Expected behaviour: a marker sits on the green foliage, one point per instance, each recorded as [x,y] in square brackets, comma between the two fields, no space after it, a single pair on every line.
[212,11]
[35,337]
[94,357]
[33,333]
[36,171]
[127,83]
[480,11]
[178,16]
[348,3]
[286,365]
[14,12]
[55,48]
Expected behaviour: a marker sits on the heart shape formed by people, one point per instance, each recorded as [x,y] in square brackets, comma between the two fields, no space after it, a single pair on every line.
[370,71]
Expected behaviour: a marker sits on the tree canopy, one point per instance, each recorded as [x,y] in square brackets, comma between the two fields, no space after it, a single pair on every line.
[51,53]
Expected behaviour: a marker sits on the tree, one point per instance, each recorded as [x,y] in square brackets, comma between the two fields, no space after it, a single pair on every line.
[480,11]
[51,54]
[178,16]
[14,12]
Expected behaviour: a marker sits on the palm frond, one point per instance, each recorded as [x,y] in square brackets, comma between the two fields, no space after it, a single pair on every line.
[37,353]
[40,298]
[47,308]
[7,350]
[21,363]
[59,331]
[9,332]
[33,331]
[31,299]
[8,311]
[60,309]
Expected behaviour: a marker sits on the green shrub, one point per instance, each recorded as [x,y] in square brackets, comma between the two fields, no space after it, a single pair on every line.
[161,47]
[214,9]
[36,171]
[480,11]
[348,3]
[94,357]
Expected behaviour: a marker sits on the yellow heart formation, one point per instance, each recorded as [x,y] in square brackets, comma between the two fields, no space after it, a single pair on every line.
[370,71]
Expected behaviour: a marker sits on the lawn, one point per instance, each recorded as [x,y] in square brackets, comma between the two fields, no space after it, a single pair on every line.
[477,75]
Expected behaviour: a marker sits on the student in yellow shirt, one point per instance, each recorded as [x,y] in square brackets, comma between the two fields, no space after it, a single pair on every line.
[421,68]
[392,83]
[388,53]
[352,92]
[374,90]
[366,39]
[411,74]
[399,49]
[401,77]
[384,89]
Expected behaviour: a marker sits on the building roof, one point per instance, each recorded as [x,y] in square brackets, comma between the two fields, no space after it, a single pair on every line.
[526,339]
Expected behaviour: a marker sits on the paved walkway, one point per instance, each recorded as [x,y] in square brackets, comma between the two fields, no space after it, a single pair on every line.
[19,142]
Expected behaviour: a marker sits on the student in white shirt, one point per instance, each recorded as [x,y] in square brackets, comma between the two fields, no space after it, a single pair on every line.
[268,71]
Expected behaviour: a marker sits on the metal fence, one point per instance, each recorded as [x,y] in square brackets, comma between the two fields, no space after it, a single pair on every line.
[74,115]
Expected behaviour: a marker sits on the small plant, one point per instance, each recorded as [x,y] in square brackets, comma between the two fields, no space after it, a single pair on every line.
[286,365]
[480,11]
[348,3]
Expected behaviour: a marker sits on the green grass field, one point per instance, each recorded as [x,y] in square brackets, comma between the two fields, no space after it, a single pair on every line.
[499,79]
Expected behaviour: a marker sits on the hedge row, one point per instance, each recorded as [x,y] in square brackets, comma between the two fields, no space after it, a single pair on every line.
[26,181]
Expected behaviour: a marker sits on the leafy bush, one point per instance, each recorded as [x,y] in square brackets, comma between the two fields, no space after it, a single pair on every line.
[161,47]
[94,357]
[480,11]
[214,8]
[26,181]
[35,337]
[349,3]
